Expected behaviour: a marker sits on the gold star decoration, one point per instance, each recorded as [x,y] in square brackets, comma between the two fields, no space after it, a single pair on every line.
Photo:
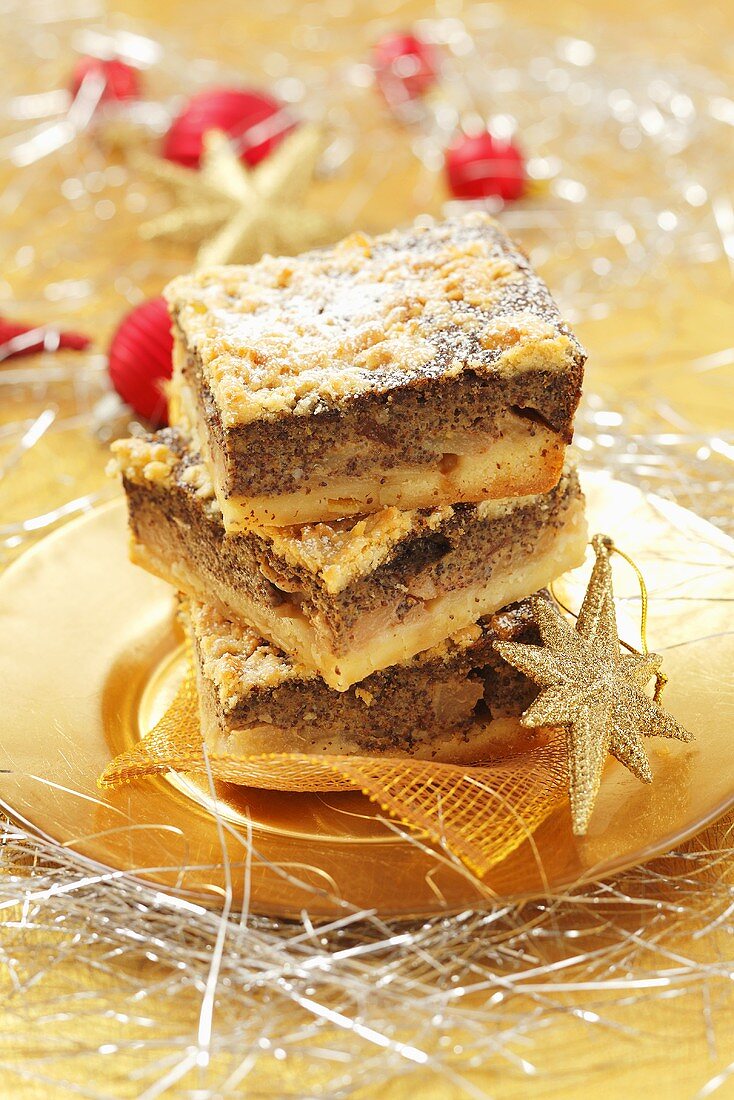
[592,689]
[235,214]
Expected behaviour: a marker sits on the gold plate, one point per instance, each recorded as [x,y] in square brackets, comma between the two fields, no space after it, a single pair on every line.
[90,655]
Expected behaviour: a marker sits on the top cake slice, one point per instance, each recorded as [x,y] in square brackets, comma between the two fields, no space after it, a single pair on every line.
[423,367]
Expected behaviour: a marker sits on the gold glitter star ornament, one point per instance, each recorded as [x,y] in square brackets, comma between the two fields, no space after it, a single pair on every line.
[593,689]
[236,214]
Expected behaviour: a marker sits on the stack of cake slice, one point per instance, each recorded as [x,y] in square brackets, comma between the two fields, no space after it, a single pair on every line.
[364,482]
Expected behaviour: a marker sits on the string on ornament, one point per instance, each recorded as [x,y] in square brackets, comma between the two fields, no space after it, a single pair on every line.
[661,679]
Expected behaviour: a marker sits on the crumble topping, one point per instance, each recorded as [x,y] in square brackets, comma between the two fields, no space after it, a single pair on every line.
[198,478]
[341,551]
[460,640]
[152,459]
[236,659]
[296,335]
[146,459]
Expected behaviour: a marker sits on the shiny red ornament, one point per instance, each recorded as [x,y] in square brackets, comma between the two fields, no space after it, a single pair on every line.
[121,81]
[140,359]
[18,338]
[405,67]
[481,166]
[255,122]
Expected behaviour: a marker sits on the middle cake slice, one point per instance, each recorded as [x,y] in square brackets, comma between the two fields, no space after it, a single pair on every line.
[353,596]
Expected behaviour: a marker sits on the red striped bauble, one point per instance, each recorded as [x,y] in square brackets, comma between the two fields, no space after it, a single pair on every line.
[121,81]
[140,359]
[482,165]
[255,122]
[405,66]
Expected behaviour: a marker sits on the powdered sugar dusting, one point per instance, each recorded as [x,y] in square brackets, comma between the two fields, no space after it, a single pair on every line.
[295,335]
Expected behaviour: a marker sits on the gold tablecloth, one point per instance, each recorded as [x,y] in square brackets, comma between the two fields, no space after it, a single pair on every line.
[683,1042]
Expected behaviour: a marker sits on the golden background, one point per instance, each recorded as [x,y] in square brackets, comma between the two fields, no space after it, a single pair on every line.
[634,354]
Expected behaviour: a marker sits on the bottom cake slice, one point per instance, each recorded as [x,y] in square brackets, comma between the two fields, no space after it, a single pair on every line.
[456,702]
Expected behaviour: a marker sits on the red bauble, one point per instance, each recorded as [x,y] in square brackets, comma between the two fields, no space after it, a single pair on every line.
[405,67]
[121,81]
[255,122]
[481,166]
[140,358]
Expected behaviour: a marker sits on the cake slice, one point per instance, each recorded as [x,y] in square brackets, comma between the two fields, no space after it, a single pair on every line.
[420,368]
[452,702]
[356,595]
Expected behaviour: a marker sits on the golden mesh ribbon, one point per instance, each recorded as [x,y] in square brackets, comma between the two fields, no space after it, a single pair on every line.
[480,813]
